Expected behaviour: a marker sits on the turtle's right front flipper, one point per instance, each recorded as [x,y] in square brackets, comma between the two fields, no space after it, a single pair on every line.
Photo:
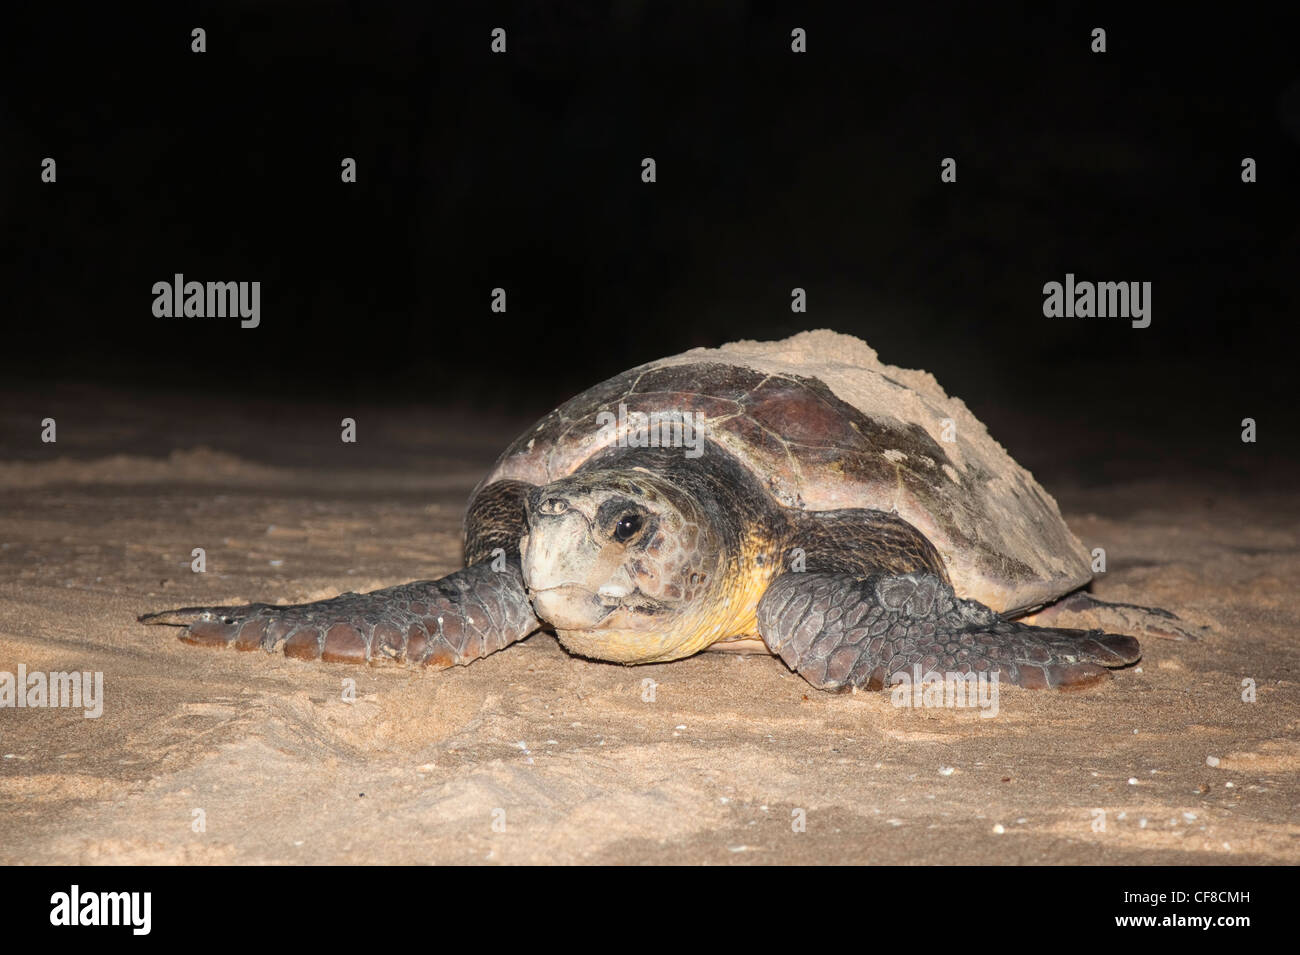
[436,623]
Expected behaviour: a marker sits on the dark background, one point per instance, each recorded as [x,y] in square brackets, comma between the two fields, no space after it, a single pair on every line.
[775,170]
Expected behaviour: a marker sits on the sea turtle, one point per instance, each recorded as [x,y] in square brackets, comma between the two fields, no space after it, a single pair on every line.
[796,497]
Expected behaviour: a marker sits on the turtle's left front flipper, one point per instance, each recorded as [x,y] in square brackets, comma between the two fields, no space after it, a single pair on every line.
[838,630]
[434,623]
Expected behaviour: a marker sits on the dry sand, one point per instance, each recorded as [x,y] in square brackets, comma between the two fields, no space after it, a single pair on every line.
[569,754]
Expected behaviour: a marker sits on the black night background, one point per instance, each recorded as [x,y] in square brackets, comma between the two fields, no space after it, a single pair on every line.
[775,170]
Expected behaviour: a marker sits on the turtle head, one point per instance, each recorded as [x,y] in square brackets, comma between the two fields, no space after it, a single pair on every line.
[621,562]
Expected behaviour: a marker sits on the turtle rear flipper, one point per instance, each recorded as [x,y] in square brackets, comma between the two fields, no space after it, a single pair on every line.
[435,623]
[838,630]
[1082,609]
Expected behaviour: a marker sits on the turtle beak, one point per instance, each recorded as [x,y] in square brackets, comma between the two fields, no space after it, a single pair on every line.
[565,569]
[559,550]
[570,608]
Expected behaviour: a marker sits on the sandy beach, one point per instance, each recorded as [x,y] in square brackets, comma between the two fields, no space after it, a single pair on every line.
[535,756]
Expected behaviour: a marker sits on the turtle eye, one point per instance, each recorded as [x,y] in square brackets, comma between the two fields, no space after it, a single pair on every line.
[627,527]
